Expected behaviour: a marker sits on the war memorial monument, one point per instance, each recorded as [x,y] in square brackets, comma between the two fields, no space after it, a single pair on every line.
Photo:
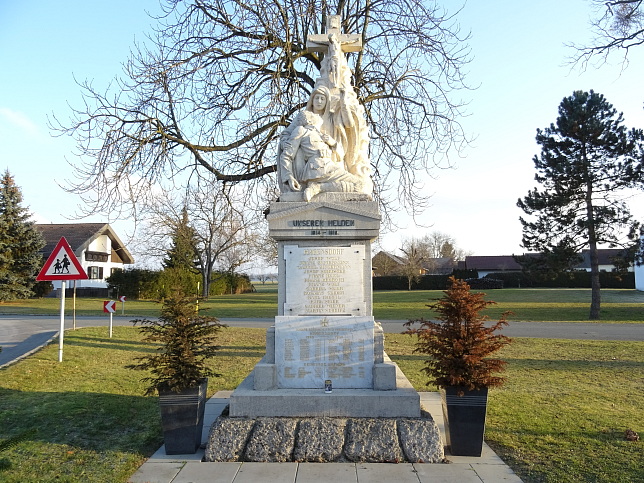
[325,390]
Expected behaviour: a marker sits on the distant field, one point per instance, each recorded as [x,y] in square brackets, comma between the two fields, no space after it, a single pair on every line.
[567,305]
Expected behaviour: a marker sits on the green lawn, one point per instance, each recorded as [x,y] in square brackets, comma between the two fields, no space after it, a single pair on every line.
[569,305]
[562,414]
[560,417]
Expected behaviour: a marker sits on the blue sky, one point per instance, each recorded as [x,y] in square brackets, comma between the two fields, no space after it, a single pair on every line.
[519,69]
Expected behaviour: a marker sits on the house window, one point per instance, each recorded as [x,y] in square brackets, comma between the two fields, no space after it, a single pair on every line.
[95,273]
[96,257]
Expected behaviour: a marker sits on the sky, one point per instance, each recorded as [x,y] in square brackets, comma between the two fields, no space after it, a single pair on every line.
[519,74]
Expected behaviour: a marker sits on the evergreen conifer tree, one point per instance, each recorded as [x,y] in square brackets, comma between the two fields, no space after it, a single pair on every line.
[587,159]
[20,243]
[181,255]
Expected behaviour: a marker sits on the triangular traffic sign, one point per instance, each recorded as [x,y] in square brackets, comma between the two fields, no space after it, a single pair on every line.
[62,264]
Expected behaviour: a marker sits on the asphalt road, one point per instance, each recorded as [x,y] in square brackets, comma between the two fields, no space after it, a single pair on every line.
[21,335]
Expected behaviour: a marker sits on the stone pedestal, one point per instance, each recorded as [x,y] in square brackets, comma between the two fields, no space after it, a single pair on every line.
[325,353]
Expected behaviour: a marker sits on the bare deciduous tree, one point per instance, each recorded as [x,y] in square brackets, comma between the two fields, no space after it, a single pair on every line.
[218,80]
[440,245]
[414,256]
[224,234]
[618,26]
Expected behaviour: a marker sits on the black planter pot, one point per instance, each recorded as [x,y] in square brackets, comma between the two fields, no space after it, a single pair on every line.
[182,418]
[464,418]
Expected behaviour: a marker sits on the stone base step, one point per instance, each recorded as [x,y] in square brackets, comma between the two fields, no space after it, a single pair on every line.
[402,402]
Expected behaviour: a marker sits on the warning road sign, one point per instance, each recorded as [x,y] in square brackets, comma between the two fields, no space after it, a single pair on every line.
[62,264]
[109,306]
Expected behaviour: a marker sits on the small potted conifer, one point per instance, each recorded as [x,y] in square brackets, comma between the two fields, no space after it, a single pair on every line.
[458,345]
[178,369]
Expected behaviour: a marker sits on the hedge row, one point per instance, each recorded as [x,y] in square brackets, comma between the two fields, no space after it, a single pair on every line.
[158,284]
[580,279]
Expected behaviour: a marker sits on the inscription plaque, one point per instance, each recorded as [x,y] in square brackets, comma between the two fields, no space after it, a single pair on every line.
[312,350]
[324,280]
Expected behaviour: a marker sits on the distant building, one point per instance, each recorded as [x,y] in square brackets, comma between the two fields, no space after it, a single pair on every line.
[383,264]
[606,259]
[486,265]
[639,272]
[438,266]
[98,249]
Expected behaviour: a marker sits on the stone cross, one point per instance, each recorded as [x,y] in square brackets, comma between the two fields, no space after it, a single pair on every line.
[320,42]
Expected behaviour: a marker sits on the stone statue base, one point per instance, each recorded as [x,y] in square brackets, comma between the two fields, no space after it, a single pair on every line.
[325,440]
[325,333]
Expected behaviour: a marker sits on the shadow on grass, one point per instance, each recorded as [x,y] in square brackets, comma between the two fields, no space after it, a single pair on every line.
[583,365]
[241,351]
[113,343]
[88,421]
[407,357]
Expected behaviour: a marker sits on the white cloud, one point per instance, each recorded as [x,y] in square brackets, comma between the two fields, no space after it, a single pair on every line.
[19,120]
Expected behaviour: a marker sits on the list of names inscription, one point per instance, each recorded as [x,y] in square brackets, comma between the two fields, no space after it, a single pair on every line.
[324,280]
[311,350]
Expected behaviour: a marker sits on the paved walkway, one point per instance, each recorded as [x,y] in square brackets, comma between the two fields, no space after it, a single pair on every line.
[160,468]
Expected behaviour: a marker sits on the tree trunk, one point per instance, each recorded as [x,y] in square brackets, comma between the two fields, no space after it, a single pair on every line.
[595,302]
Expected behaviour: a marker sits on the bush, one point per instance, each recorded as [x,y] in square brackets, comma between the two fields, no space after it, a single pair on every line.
[42,289]
[134,283]
[158,284]
[226,282]
[485,283]
[171,280]
[576,279]
[187,340]
[396,282]
[459,344]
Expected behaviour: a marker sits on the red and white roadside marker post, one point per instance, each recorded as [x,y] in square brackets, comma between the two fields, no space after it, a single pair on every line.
[62,265]
[109,306]
[122,299]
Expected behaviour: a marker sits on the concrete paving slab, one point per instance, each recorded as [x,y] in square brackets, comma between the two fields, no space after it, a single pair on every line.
[446,473]
[162,468]
[496,473]
[217,473]
[488,457]
[273,472]
[386,473]
[161,457]
[156,472]
[335,472]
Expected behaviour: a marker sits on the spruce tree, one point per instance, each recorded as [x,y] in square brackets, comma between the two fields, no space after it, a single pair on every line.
[181,254]
[20,244]
[587,161]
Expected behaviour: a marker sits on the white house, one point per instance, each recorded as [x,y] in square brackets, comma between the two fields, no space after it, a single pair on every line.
[98,249]
[639,272]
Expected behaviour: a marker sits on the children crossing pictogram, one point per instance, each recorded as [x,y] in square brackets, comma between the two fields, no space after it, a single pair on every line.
[62,264]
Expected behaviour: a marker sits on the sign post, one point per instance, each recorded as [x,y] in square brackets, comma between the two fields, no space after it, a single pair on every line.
[122,299]
[62,265]
[62,321]
[109,306]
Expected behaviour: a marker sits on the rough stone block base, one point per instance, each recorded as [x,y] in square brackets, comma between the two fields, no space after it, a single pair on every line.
[325,440]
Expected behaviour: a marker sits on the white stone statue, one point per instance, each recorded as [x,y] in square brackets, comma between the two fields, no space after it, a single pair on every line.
[340,124]
[312,158]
